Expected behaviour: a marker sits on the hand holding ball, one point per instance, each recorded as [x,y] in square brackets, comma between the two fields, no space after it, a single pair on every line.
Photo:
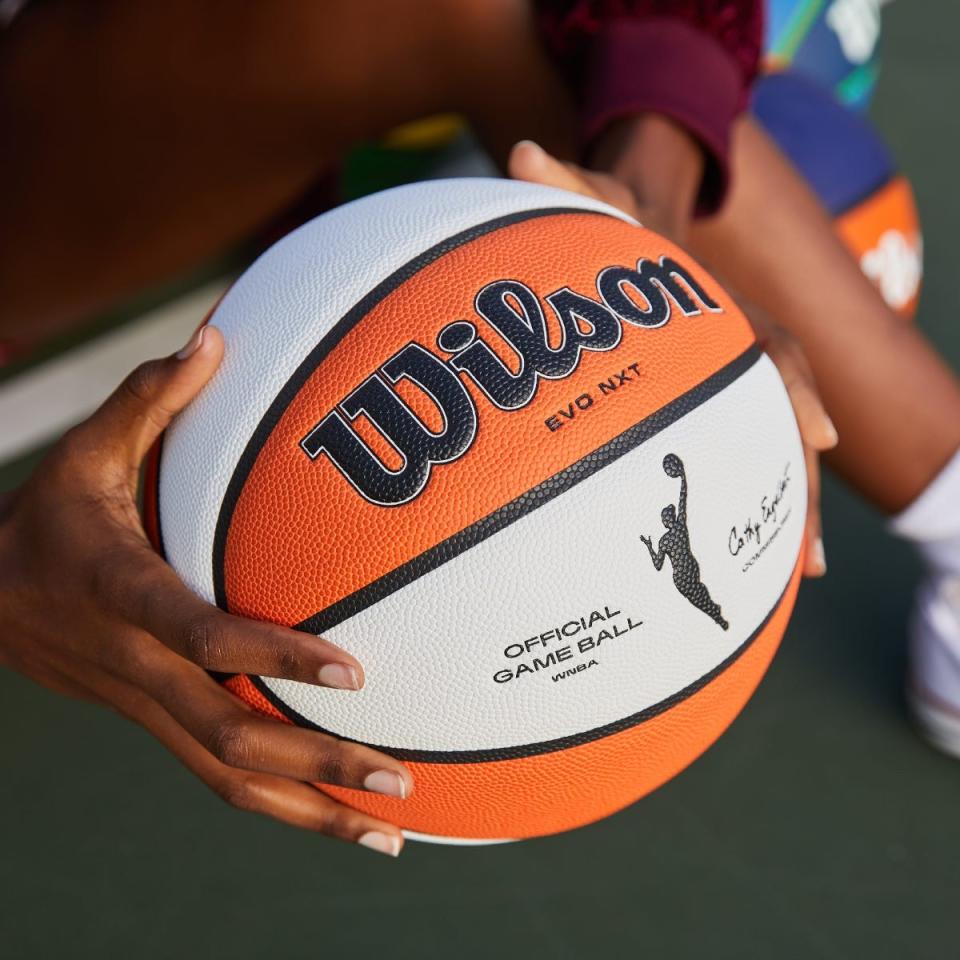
[446,416]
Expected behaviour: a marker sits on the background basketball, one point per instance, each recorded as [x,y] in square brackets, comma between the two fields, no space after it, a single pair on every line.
[850,168]
[832,42]
[525,460]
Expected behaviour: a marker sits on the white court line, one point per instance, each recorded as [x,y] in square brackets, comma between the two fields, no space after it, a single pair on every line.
[40,404]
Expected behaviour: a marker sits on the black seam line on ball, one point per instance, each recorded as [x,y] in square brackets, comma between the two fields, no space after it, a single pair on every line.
[162,550]
[316,356]
[155,506]
[533,498]
[498,520]
[546,746]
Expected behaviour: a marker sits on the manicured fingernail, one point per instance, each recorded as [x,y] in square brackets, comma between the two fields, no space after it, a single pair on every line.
[833,438]
[381,842]
[386,782]
[192,345]
[819,557]
[339,675]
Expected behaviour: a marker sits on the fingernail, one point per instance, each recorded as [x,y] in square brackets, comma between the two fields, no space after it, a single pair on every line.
[819,557]
[530,143]
[386,782]
[381,842]
[831,431]
[339,675]
[192,345]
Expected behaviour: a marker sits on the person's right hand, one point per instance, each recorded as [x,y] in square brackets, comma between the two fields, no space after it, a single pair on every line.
[87,608]
[530,162]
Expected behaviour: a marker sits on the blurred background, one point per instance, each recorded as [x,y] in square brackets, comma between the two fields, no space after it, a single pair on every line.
[818,826]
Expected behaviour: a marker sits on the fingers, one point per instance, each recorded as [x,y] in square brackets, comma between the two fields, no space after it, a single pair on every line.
[142,590]
[816,427]
[306,807]
[286,800]
[530,162]
[141,408]
[815,560]
[817,433]
[240,738]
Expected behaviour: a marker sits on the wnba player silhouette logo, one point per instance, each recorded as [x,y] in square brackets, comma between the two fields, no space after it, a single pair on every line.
[675,544]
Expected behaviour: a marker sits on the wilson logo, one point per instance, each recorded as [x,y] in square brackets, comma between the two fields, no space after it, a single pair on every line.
[515,312]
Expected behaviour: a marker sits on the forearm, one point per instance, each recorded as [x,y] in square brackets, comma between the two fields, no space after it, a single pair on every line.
[660,162]
[656,556]
[894,402]
[658,84]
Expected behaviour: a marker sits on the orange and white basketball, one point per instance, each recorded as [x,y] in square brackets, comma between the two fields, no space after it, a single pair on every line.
[524,459]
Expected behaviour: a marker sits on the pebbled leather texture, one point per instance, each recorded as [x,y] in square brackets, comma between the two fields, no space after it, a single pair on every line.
[563,586]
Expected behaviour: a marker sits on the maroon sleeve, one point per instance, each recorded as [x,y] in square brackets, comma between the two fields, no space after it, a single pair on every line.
[691,60]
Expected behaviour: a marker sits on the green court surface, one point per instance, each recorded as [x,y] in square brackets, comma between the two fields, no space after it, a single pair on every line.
[819,825]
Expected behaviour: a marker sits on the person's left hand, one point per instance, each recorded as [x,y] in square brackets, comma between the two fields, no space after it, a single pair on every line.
[816,428]
[532,163]
[648,165]
[529,161]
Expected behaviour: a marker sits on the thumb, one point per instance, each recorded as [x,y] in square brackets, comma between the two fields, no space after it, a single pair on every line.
[530,162]
[141,408]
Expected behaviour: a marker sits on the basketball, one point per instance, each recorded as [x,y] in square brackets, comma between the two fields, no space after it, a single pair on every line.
[524,459]
[835,44]
[850,168]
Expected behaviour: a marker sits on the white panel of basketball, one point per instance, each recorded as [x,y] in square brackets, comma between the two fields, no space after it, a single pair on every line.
[431,649]
[277,312]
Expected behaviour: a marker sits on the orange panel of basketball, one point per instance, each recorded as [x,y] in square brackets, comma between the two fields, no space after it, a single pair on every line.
[300,513]
[525,460]
[566,788]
